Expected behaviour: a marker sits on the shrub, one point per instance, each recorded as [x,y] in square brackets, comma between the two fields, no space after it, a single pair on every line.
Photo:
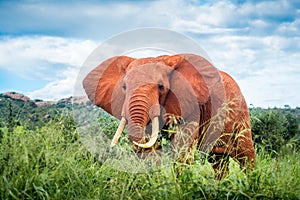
[273,129]
[43,164]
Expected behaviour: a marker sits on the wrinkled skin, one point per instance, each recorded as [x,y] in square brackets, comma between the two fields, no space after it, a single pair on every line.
[185,85]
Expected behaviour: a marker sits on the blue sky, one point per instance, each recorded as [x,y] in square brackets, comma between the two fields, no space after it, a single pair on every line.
[44,43]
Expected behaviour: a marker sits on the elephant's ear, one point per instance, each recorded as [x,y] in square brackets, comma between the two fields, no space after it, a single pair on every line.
[193,79]
[103,84]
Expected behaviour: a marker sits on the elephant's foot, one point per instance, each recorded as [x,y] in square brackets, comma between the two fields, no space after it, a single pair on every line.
[152,155]
[220,164]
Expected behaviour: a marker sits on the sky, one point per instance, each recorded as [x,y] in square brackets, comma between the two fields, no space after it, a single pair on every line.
[43,44]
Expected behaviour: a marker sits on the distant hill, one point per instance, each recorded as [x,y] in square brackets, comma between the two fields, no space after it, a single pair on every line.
[40,102]
[15,95]
[18,109]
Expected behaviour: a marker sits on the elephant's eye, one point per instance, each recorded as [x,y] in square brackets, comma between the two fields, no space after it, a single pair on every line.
[124,87]
[161,86]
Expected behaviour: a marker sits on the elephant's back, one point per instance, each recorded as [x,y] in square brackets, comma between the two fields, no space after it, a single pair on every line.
[232,89]
[235,101]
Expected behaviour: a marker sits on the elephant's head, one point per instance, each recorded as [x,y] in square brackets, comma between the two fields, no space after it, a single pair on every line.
[140,91]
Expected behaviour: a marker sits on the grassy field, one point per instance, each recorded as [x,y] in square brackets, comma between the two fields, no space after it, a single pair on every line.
[52,163]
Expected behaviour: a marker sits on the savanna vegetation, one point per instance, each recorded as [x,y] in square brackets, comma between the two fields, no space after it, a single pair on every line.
[43,156]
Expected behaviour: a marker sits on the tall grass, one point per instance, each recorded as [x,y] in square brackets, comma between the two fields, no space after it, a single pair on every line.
[45,164]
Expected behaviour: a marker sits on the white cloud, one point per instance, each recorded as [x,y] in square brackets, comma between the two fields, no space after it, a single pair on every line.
[225,17]
[98,19]
[25,54]
[290,28]
[53,59]
[203,18]
[266,68]
[272,87]
[256,42]
[59,88]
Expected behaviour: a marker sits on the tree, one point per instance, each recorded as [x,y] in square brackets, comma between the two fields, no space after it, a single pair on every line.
[273,129]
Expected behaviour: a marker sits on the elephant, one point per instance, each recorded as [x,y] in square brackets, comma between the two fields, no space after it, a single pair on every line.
[145,92]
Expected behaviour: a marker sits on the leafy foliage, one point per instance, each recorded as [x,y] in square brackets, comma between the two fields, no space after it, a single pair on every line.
[43,158]
[273,129]
[26,113]
[44,164]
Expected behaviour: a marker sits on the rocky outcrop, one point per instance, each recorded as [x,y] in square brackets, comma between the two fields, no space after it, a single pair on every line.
[15,95]
[39,102]
[79,100]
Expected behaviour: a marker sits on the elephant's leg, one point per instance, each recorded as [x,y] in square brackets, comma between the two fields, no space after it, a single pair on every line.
[220,164]
[153,154]
[244,150]
[184,146]
[246,157]
[184,139]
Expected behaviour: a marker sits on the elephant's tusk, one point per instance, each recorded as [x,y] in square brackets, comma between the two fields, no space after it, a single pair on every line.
[118,132]
[155,130]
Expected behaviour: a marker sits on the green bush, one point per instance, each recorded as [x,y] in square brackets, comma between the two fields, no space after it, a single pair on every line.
[51,162]
[66,125]
[273,129]
[43,164]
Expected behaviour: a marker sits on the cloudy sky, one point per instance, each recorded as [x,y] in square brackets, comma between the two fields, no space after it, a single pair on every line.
[43,44]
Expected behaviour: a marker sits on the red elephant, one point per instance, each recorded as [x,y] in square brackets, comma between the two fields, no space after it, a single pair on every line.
[142,92]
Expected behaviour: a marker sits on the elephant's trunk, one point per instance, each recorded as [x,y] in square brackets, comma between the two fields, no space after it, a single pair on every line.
[141,110]
[154,135]
[139,106]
